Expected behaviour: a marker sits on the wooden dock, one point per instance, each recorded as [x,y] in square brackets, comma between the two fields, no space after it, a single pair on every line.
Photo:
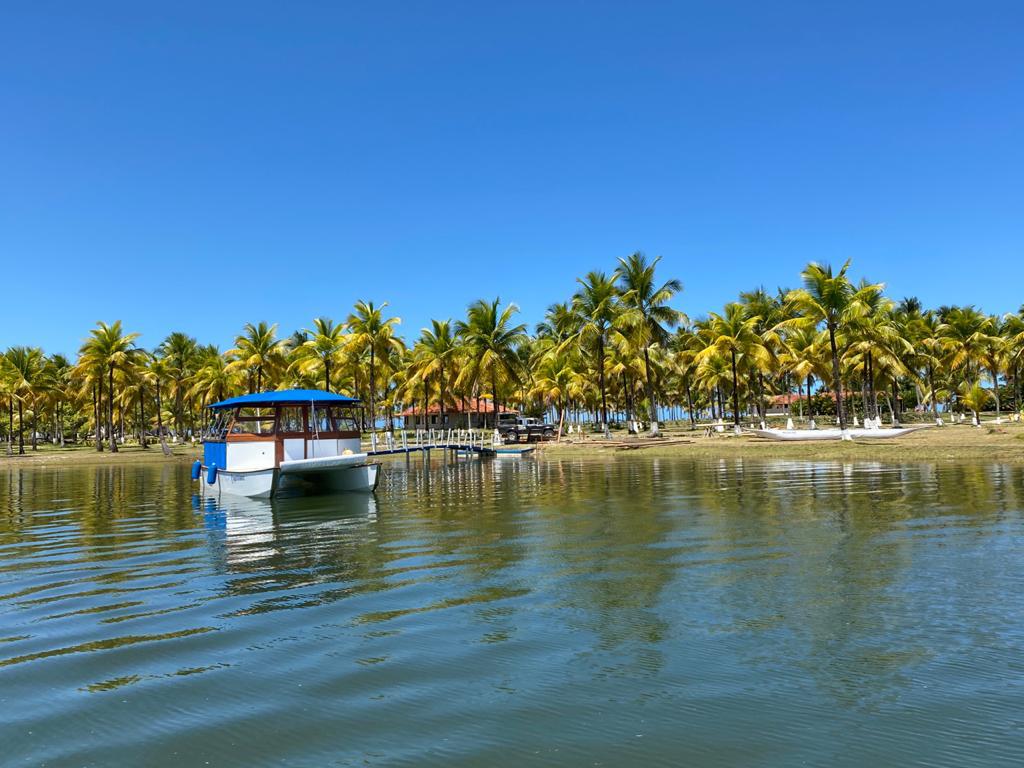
[459,441]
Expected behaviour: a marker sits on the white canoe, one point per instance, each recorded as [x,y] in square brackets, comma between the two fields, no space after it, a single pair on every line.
[830,434]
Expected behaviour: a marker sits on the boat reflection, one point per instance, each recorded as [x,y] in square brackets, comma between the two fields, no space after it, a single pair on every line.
[245,531]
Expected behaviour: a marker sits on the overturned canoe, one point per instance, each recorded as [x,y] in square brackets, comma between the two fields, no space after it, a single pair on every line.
[831,434]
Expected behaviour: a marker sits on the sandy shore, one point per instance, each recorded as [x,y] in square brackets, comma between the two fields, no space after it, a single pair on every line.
[1003,443]
[81,455]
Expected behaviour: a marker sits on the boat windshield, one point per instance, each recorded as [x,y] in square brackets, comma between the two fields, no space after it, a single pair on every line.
[218,426]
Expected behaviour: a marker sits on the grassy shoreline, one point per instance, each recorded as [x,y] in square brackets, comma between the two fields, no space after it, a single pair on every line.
[989,443]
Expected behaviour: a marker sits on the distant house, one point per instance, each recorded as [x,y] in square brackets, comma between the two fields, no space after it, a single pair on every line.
[457,415]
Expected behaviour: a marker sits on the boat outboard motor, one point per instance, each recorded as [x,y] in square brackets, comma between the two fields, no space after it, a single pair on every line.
[197,469]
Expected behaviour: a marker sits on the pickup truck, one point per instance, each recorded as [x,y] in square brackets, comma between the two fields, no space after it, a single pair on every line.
[515,428]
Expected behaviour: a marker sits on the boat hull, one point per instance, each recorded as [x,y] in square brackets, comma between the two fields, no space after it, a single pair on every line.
[332,474]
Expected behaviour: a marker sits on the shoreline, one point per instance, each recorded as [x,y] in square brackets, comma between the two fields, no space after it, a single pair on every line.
[952,443]
[988,443]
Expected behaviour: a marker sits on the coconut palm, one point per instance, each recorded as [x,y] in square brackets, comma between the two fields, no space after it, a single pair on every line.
[109,347]
[179,351]
[647,314]
[258,352]
[25,369]
[829,298]
[433,358]
[320,351]
[974,397]
[373,334]
[596,305]
[491,341]
[734,335]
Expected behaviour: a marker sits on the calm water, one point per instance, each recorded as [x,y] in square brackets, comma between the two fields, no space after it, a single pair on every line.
[645,612]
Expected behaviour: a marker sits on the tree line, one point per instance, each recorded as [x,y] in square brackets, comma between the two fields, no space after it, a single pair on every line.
[615,351]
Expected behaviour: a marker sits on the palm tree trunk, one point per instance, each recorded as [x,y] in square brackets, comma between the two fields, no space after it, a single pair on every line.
[810,402]
[98,408]
[110,409]
[994,373]
[837,383]
[142,417]
[689,405]
[10,425]
[159,409]
[494,395]
[735,393]
[650,393]
[600,369]
[931,385]
[35,424]
[373,411]
[327,375]
[21,429]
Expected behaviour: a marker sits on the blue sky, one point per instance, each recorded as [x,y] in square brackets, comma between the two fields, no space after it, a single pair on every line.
[193,166]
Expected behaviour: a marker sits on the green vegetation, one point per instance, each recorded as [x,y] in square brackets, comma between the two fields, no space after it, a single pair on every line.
[615,352]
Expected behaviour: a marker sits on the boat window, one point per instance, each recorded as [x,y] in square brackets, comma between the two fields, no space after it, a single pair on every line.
[263,426]
[344,420]
[253,421]
[320,420]
[290,420]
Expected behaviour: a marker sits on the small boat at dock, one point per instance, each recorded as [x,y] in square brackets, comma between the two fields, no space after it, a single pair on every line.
[299,440]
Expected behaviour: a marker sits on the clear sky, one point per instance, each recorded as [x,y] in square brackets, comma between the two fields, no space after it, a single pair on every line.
[195,165]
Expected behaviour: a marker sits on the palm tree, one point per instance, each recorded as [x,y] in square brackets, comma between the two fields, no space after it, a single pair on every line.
[258,352]
[734,336]
[25,369]
[975,397]
[114,350]
[491,341]
[321,348]
[371,332]
[436,350]
[596,305]
[647,313]
[801,356]
[828,298]
[179,351]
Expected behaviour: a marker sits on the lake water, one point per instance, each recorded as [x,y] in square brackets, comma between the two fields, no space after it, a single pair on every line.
[581,612]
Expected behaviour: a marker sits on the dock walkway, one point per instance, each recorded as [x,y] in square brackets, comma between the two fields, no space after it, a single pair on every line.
[481,442]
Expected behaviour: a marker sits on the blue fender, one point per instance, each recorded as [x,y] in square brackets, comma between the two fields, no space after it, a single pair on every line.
[197,469]
[211,474]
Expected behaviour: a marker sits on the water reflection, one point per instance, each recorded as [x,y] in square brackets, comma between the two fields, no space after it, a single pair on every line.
[721,608]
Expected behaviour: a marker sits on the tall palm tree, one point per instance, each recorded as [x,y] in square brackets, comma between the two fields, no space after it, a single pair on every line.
[25,367]
[829,298]
[180,351]
[491,341]
[647,313]
[802,357]
[115,350]
[596,305]
[734,335]
[258,351]
[373,333]
[321,349]
[434,353]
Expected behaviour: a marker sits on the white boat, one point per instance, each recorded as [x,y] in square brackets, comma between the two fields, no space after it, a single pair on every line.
[830,434]
[297,440]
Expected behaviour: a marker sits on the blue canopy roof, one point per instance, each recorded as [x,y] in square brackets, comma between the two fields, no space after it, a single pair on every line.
[286,397]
